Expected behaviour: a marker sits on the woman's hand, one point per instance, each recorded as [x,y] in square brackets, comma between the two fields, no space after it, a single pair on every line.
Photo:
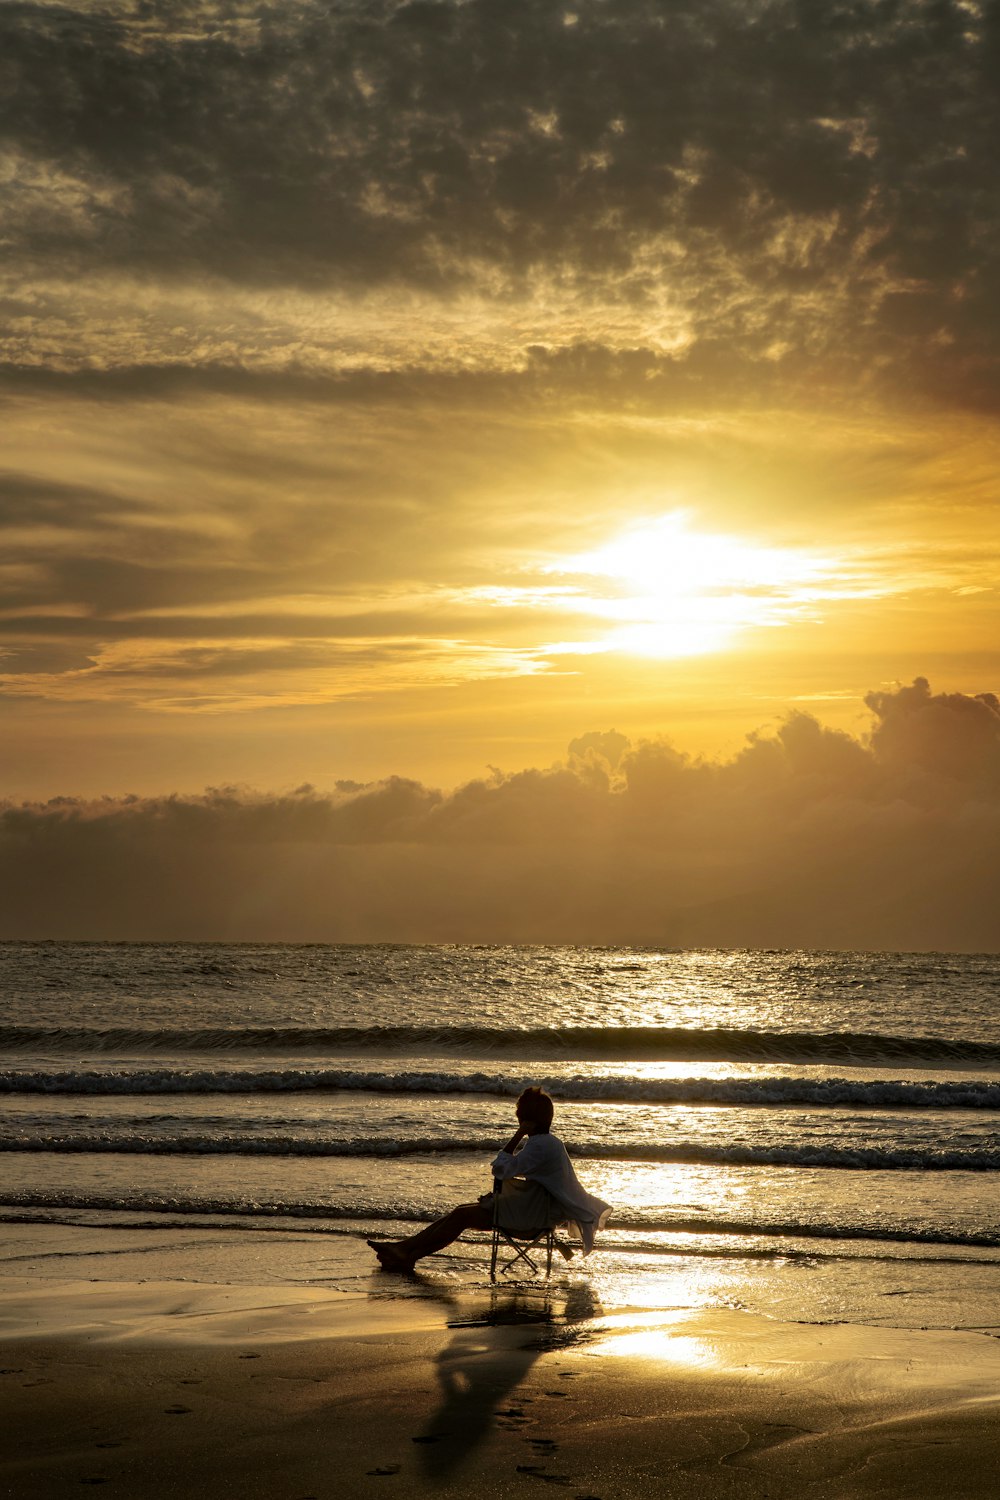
[516,1139]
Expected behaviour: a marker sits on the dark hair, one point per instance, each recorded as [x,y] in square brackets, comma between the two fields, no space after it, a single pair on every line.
[535,1104]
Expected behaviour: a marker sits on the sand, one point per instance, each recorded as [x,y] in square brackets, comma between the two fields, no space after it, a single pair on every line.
[194,1388]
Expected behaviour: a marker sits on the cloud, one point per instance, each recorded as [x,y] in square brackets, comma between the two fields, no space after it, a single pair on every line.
[807,837]
[946,738]
[165,534]
[318,318]
[224,676]
[773,183]
[608,747]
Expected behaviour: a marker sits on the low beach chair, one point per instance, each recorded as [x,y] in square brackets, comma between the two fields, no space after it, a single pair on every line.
[512,1249]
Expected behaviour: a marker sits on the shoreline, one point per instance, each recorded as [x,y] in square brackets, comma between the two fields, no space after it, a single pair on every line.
[191,1387]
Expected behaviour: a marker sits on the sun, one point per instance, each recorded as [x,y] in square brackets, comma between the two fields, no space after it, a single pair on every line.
[668,590]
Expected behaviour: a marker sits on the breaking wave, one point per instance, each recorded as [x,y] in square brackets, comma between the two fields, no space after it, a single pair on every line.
[23,1202]
[598,1043]
[822,1092]
[849,1158]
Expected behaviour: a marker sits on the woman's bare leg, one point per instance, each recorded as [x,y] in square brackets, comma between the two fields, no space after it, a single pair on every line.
[400,1255]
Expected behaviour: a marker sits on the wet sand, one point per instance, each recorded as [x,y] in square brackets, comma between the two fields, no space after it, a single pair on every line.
[181,1388]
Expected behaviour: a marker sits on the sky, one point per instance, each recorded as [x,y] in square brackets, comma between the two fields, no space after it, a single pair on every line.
[500,471]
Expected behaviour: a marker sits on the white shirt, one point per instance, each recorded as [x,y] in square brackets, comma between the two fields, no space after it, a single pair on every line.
[543,1159]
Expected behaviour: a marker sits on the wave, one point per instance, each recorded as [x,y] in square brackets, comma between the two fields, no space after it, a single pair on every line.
[822,1092]
[842,1158]
[243,1207]
[600,1043]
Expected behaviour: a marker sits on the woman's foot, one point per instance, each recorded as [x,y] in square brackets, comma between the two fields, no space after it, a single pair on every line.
[393,1255]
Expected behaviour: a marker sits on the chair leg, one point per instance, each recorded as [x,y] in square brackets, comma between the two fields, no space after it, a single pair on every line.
[521,1253]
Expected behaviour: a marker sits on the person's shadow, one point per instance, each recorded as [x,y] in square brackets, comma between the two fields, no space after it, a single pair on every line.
[490,1355]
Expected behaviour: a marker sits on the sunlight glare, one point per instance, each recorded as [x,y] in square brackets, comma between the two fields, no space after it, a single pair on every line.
[650,1336]
[673,591]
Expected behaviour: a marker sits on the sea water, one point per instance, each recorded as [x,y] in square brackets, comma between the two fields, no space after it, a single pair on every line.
[825,1112]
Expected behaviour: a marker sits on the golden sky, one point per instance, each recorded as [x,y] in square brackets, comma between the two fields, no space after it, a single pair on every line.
[413,389]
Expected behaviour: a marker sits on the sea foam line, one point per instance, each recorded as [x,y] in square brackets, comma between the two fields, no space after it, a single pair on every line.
[823,1092]
[842,1158]
[139,1201]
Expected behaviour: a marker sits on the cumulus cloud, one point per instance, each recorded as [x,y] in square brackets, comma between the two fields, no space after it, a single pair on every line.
[948,737]
[807,837]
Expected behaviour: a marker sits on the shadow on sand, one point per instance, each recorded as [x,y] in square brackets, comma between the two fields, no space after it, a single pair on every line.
[493,1347]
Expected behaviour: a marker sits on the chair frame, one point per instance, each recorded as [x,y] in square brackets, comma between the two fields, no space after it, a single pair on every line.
[543,1241]
[521,1245]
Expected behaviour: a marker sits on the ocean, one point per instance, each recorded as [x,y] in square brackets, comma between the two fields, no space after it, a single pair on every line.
[833,1115]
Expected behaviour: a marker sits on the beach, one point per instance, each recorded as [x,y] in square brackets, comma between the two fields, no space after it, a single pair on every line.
[193,1379]
[797,1294]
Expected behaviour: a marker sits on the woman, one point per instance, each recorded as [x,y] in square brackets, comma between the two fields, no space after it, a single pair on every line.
[534,1170]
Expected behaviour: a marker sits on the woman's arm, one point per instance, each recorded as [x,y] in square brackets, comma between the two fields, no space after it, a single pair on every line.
[503,1164]
[531,1157]
[514,1141]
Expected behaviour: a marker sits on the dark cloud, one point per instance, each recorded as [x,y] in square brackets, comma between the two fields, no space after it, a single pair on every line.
[808,837]
[391,625]
[47,656]
[28,500]
[218,549]
[219,674]
[576,374]
[947,737]
[813,180]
